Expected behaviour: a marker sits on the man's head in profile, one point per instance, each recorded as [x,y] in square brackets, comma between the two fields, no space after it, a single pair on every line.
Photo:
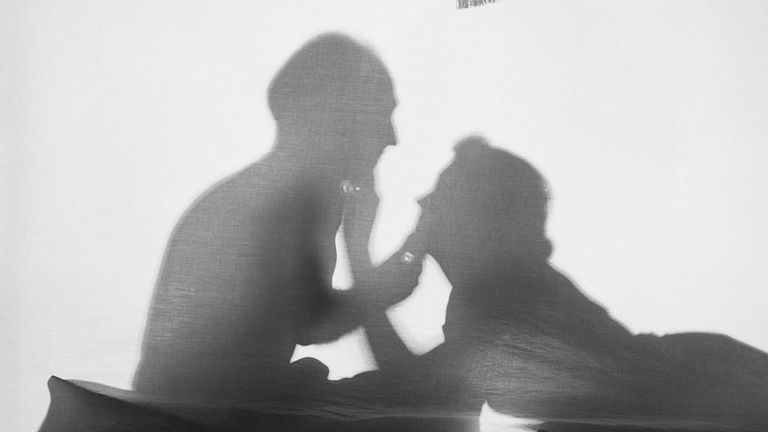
[333,102]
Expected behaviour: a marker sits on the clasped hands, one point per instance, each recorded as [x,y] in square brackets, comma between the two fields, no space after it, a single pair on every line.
[393,280]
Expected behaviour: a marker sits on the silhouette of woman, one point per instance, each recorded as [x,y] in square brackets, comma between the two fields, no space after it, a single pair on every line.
[521,336]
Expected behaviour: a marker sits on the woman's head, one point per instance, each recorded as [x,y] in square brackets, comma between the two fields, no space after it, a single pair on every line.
[488,205]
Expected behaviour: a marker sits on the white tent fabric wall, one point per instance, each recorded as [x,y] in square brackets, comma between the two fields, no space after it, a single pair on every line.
[648,119]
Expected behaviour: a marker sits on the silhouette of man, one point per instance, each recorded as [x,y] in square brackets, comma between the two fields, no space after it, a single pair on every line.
[247,271]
